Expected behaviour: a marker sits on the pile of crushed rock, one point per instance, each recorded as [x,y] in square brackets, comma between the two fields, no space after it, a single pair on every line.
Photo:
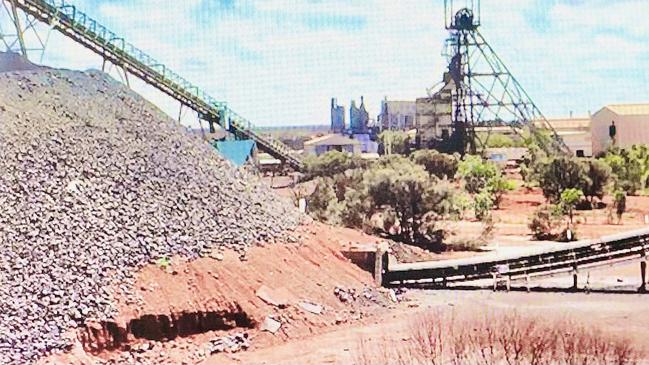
[94,183]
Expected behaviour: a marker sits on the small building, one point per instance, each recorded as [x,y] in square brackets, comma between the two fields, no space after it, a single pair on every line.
[399,115]
[621,125]
[332,142]
[358,118]
[575,133]
[433,118]
[337,117]
[367,145]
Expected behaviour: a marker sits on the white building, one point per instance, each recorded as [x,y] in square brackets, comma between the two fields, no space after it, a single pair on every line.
[398,115]
[332,142]
[631,123]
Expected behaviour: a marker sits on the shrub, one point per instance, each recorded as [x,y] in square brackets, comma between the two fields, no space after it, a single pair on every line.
[394,142]
[440,165]
[546,223]
[476,173]
[619,201]
[330,164]
[559,174]
[323,204]
[569,199]
[482,205]
[630,167]
[599,176]
[438,338]
[498,186]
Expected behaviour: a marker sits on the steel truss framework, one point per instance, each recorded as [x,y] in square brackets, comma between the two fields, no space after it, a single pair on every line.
[117,52]
[486,93]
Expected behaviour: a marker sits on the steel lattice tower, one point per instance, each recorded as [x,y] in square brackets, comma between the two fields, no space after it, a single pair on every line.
[484,93]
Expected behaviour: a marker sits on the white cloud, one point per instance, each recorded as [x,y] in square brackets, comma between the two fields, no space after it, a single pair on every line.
[278,62]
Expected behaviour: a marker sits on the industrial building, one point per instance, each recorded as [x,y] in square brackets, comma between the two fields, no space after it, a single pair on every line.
[358,118]
[337,117]
[332,142]
[433,117]
[621,125]
[575,133]
[399,115]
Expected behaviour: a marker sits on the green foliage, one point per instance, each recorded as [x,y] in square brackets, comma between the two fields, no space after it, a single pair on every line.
[482,205]
[330,164]
[323,203]
[395,142]
[498,140]
[498,186]
[476,173]
[630,167]
[163,263]
[569,199]
[619,201]
[599,176]
[559,174]
[437,164]
[546,223]
[402,191]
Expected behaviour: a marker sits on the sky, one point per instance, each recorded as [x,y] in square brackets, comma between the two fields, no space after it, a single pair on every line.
[279,62]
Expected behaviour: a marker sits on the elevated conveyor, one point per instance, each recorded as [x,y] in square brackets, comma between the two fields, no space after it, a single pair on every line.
[75,24]
[549,260]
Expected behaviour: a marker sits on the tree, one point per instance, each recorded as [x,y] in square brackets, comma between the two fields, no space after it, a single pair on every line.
[482,205]
[619,201]
[630,167]
[497,186]
[323,204]
[546,223]
[437,164]
[569,199]
[559,174]
[476,173]
[599,175]
[395,142]
[330,164]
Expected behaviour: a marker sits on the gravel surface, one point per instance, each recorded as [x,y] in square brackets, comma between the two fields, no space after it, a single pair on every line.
[94,183]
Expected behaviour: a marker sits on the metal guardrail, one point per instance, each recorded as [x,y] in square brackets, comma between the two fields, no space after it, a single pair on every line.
[560,258]
[88,32]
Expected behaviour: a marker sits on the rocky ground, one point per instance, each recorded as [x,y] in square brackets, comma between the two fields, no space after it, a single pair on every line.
[95,182]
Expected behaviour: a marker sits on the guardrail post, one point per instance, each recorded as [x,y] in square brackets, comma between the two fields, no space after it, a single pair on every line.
[380,264]
[643,273]
[574,276]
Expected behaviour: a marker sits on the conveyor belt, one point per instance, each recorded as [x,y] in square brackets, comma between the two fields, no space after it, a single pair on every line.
[86,31]
[543,261]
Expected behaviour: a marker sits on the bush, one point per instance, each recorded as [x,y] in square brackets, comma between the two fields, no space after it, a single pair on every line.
[405,194]
[569,199]
[559,174]
[330,164]
[476,173]
[619,201]
[546,223]
[482,205]
[599,175]
[497,187]
[323,205]
[437,164]
[394,142]
[630,167]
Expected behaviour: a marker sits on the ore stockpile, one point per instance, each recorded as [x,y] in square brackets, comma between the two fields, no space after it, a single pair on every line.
[94,183]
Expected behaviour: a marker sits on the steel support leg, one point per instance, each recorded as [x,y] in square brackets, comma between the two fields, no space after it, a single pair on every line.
[19,28]
[643,277]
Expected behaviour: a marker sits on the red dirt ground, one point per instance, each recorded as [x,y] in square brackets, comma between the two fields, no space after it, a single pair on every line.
[311,269]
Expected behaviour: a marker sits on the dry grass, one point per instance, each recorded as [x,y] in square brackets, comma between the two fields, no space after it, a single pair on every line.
[441,338]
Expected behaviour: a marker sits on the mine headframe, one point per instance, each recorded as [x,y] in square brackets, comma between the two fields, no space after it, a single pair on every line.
[484,93]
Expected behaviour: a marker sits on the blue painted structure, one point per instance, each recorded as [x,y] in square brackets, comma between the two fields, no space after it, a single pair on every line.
[238,152]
